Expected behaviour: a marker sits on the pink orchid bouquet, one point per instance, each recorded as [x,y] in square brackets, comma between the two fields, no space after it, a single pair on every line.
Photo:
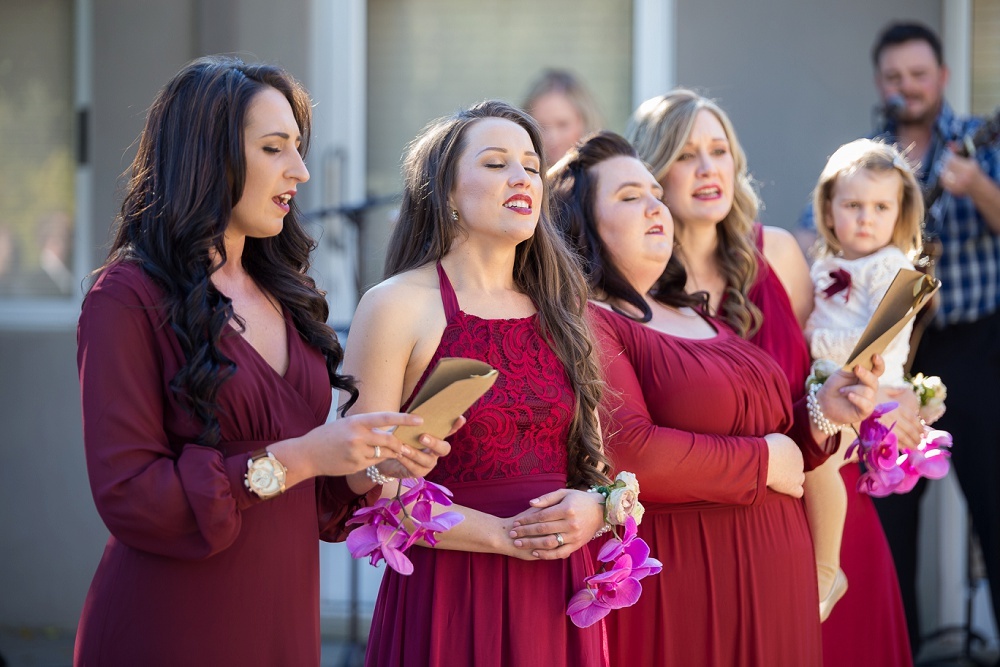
[625,560]
[393,525]
[888,470]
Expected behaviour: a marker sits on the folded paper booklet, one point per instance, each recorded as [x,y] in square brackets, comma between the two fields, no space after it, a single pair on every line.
[452,387]
[909,292]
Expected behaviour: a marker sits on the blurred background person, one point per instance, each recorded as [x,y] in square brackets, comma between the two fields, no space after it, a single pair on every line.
[565,110]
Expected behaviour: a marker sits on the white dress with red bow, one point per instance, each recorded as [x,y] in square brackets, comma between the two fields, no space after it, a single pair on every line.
[846,293]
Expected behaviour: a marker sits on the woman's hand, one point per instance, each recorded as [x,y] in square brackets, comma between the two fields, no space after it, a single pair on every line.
[344,446]
[419,463]
[784,465]
[908,429]
[567,513]
[847,398]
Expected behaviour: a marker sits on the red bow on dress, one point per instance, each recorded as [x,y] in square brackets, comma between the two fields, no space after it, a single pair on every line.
[841,282]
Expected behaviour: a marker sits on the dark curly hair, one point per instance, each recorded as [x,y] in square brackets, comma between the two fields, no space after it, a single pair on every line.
[573,188]
[188,174]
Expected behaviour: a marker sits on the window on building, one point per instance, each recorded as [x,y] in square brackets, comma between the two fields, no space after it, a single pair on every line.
[985,56]
[428,59]
[38,208]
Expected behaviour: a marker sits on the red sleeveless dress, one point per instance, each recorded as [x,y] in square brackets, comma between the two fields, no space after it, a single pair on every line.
[462,608]
[872,600]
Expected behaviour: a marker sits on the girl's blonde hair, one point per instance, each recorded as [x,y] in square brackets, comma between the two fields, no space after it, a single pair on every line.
[879,157]
[658,129]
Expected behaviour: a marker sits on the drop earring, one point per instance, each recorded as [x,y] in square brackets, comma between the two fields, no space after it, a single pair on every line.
[454,215]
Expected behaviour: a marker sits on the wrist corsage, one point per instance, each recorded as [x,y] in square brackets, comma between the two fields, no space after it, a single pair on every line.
[820,370]
[624,560]
[932,393]
[621,500]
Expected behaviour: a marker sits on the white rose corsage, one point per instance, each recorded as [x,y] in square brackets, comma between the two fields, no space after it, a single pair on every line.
[624,559]
[932,393]
[621,500]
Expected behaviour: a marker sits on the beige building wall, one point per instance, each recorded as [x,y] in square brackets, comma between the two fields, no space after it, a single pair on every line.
[985,56]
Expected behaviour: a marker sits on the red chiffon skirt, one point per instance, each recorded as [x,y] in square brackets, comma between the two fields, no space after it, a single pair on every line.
[868,625]
[738,589]
[461,608]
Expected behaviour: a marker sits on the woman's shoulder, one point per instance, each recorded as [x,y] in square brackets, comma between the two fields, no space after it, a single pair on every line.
[127,282]
[404,298]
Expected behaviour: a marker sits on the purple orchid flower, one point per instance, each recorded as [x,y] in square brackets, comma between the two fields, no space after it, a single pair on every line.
[611,589]
[872,432]
[385,535]
[584,609]
[633,546]
[382,511]
[380,542]
[929,459]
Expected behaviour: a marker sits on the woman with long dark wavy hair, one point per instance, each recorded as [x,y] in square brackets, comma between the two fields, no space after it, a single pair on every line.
[705,419]
[206,368]
[475,269]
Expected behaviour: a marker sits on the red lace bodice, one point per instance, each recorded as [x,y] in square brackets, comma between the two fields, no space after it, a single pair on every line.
[520,426]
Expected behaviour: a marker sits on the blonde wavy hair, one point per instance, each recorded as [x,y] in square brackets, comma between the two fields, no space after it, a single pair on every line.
[658,129]
[879,157]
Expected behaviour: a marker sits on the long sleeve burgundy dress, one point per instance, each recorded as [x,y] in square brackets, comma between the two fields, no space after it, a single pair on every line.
[738,586]
[198,570]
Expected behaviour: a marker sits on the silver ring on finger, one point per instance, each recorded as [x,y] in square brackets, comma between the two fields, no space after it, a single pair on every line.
[559,539]
[378,452]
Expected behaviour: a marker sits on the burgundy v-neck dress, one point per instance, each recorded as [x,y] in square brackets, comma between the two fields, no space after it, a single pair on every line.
[198,570]
[738,586]
[479,609]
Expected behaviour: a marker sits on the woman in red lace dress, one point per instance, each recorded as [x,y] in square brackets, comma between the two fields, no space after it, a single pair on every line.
[756,279]
[475,269]
[703,418]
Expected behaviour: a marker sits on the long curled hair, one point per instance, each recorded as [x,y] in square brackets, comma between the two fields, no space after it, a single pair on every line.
[544,269]
[188,174]
[658,129]
[573,187]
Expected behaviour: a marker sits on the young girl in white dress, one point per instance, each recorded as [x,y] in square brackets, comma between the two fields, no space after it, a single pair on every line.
[868,208]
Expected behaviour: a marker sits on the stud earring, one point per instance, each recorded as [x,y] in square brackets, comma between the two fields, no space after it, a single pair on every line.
[454,215]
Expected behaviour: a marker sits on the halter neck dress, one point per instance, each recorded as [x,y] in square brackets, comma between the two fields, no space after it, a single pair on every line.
[463,608]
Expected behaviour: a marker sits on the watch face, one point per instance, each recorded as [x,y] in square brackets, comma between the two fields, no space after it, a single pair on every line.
[264,481]
[266,477]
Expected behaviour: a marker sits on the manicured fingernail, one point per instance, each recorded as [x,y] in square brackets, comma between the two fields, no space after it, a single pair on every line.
[534,500]
[535,554]
[517,523]
[517,543]
[425,440]
[406,450]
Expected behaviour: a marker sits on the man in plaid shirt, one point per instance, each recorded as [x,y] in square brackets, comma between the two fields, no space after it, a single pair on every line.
[962,344]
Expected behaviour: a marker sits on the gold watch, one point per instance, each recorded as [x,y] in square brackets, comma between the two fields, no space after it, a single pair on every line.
[265,475]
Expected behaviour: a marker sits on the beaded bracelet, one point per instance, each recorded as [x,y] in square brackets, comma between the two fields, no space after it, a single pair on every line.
[375,475]
[817,416]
